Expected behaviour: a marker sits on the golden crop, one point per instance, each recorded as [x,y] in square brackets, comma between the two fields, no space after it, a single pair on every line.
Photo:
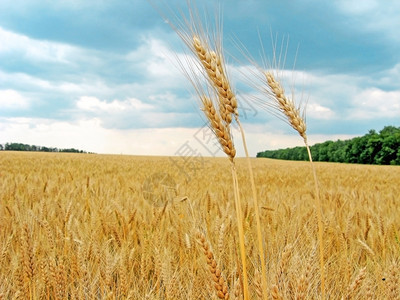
[76,226]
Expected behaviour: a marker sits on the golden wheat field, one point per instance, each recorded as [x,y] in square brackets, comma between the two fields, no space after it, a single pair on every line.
[75,226]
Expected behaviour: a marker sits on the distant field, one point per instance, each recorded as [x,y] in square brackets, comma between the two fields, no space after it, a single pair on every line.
[80,226]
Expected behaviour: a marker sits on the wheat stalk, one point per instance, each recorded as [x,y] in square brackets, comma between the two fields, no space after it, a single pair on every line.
[218,84]
[297,121]
[239,217]
[221,130]
[264,282]
[214,67]
[210,62]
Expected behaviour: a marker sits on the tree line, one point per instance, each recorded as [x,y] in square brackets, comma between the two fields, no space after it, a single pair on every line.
[26,147]
[381,148]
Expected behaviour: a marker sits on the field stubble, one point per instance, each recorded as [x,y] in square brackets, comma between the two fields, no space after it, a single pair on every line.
[86,227]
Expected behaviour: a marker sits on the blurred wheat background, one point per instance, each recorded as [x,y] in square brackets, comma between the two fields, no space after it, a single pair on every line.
[104,227]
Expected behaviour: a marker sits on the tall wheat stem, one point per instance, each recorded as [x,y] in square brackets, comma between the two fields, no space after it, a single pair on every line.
[319,216]
[239,217]
[297,122]
[212,63]
[222,132]
[264,282]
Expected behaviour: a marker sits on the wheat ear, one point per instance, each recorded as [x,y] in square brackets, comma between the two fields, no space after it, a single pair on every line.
[355,285]
[287,107]
[219,282]
[393,286]
[219,128]
[275,293]
[28,260]
[216,74]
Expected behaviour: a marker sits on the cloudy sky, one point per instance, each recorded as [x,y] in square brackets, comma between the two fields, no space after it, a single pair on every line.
[100,75]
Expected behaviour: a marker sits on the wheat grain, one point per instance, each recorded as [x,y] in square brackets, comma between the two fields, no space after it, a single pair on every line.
[123,279]
[219,282]
[394,281]
[305,279]
[257,284]
[213,66]
[219,128]
[355,285]
[238,290]
[275,293]
[286,106]
[28,261]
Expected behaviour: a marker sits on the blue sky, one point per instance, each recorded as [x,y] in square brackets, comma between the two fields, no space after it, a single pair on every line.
[100,76]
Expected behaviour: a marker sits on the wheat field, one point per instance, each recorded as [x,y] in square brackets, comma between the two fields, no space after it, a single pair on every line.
[76,226]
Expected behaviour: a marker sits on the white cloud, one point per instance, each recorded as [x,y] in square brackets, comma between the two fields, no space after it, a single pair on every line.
[94,104]
[389,77]
[320,138]
[347,97]
[159,64]
[358,8]
[32,49]
[89,135]
[151,67]
[330,97]
[317,111]
[375,103]
[138,105]
[155,60]
[12,100]
[373,16]
[84,134]
[261,137]
[19,80]
[323,94]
